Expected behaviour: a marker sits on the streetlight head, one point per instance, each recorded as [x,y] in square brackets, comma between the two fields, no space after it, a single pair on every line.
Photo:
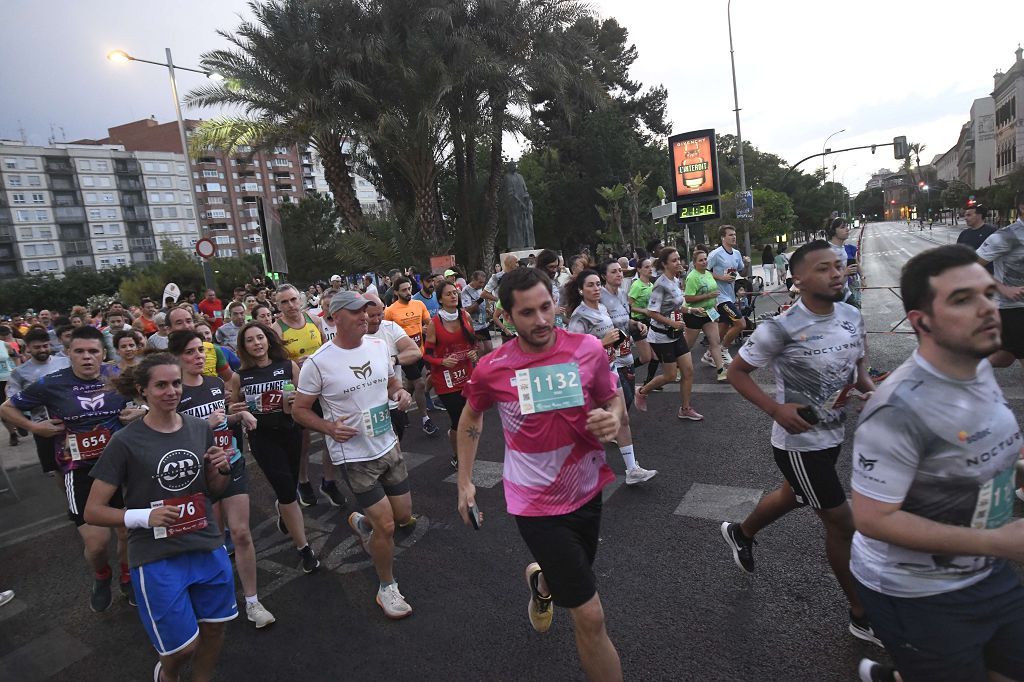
[119,57]
[215,77]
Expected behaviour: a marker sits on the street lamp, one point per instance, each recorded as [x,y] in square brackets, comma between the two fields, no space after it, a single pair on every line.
[739,135]
[824,149]
[122,57]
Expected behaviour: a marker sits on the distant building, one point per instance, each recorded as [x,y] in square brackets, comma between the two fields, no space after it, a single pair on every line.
[877,178]
[1008,126]
[976,147]
[947,165]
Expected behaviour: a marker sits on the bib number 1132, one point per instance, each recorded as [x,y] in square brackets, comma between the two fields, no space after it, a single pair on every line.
[551,387]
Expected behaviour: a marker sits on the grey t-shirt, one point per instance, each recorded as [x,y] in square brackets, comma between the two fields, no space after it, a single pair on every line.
[617,305]
[469,297]
[587,320]
[666,299]
[227,335]
[167,468]
[1005,250]
[944,450]
[157,341]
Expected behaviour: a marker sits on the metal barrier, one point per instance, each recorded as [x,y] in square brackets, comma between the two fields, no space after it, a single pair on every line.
[784,299]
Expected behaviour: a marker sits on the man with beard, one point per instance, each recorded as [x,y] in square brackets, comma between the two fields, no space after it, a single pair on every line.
[39,364]
[412,316]
[935,458]
[816,351]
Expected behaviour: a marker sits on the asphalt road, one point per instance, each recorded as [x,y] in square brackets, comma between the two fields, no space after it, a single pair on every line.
[677,608]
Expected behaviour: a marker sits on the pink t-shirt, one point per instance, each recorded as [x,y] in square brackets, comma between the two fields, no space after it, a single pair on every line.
[553,465]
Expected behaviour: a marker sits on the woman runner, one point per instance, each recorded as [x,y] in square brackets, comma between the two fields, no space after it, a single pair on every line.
[126,343]
[168,467]
[702,291]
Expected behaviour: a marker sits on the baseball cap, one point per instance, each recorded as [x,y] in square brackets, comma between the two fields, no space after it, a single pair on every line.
[335,278]
[450,272]
[347,300]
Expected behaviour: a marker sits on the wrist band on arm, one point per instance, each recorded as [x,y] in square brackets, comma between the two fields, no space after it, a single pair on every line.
[136,518]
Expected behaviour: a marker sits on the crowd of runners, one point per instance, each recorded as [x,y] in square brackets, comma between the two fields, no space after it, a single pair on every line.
[145,417]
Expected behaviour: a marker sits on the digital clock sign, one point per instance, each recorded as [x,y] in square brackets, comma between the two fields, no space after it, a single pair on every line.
[701,210]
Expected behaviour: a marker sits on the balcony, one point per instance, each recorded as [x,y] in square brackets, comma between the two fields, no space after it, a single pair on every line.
[144,257]
[65,214]
[250,187]
[80,248]
[66,199]
[57,165]
[138,230]
[125,183]
[141,244]
[127,166]
[206,161]
[65,182]
[136,213]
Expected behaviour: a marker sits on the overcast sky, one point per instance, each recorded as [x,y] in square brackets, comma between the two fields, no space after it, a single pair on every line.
[805,68]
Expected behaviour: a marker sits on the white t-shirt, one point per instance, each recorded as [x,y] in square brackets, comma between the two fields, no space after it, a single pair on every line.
[390,332]
[330,331]
[353,386]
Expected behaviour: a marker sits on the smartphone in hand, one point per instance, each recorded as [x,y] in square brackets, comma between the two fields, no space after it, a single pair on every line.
[474,516]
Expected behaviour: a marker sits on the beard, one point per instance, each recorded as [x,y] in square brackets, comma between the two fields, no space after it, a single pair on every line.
[830,297]
[978,351]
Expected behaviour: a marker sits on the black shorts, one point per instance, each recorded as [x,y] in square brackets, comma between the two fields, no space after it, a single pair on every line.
[1013,330]
[695,322]
[77,484]
[239,483]
[453,404]
[414,371]
[812,475]
[728,312]
[276,451]
[565,547]
[45,453]
[483,334]
[399,420]
[956,635]
[667,353]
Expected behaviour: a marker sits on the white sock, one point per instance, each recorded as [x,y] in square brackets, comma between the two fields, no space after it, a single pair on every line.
[425,419]
[627,456]
[251,600]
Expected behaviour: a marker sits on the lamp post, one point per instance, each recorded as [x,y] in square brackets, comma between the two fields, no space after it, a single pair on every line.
[121,57]
[824,149]
[739,134]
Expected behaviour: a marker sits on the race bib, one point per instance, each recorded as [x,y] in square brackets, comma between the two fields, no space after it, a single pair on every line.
[377,420]
[455,376]
[191,515]
[547,388]
[271,401]
[626,347]
[713,314]
[677,316]
[416,338]
[224,439]
[88,446]
[995,502]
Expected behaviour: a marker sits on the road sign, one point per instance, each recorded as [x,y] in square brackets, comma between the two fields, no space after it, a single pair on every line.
[745,204]
[205,248]
[664,211]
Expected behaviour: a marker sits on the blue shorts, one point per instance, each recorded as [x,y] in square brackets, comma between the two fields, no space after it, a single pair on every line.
[178,593]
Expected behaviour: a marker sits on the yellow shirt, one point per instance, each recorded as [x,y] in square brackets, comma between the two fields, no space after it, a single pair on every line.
[301,342]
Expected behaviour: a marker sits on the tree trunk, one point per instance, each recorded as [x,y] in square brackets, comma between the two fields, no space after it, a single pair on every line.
[336,174]
[493,183]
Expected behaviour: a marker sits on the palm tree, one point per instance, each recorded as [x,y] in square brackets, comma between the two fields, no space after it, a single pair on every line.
[292,72]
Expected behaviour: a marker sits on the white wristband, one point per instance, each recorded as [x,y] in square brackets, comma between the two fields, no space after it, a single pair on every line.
[136,518]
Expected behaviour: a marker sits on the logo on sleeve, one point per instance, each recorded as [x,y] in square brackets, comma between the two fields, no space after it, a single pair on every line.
[865,463]
[364,372]
[177,470]
[93,403]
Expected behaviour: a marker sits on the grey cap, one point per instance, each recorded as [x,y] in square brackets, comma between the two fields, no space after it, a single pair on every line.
[347,300]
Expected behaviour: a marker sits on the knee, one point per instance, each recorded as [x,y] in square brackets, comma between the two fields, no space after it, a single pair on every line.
[384,528]
[241,537]
[589,619]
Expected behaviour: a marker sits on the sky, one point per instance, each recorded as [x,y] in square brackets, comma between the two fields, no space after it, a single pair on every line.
[804,68]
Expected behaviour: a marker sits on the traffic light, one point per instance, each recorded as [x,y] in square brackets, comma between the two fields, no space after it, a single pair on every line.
[899,147]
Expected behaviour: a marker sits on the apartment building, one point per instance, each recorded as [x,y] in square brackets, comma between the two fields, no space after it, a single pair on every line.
[1009,125]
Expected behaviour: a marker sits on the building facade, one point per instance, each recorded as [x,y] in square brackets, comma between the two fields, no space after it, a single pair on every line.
[947,165]
[1008,125]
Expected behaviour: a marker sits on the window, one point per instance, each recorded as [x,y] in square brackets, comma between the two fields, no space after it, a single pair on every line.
[173,227]
[209,173]
[11,164]
[114,229]
[219,213]
[41,216]
[95,214]
[121,260]
[14,181]
[88,181]
[32,266]
[282,162]
[154,197]
[91,197]
[151,182]
[117,245]
[104,262]
[30,250]
[165,182]
[44,233]
[149,166]
[38,198]
[108,197]
[30,164]
[163,167]
[101,245]
[102,166]
[181,169]
[18,198]
[104,182]
[51,265]
[97,230]
[47,249]
[182,183]
[110,213]
[189,212]
[213,187]
[34,181]
[84,164]
[23,216]
[171,211]
[168,196]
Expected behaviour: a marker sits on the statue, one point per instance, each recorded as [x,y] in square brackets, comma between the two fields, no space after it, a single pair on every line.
[518,211]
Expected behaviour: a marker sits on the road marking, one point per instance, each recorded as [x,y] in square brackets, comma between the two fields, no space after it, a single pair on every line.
[32,530]
[485,474]
[718,502]
[43,657]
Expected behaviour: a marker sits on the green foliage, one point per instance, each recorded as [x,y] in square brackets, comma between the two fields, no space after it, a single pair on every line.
[311,232]
[773,215]
[955,195]
[870,203]
[48,291]
[184,269]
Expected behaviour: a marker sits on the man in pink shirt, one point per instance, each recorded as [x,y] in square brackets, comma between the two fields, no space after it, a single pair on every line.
[558,402]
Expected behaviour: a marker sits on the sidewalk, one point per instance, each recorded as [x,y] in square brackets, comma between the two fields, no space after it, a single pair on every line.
[40,505]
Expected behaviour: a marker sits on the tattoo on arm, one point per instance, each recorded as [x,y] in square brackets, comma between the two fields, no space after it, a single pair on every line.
[473,433]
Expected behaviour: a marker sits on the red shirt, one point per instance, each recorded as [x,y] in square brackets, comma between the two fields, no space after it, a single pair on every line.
[214,310]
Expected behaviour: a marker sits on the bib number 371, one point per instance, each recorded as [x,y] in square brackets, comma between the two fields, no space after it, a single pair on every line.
[547,388]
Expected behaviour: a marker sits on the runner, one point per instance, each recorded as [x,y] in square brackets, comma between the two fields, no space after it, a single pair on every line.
[230,355]
[215,362]
[326,323]
[412,316]
[261,388]
[475,305]
[211,309]
[1004,249]
[145,322]
[402,349]
[727,264]
[116,322]
[639,294]
[354,378]
[547,260]
[666,307]
[264,314]
[816,351]
[38,364]
[168,466]
[158,341]
[204,397]
[702,292]
[451,352]
[838,232]
[426,296]
[555,464]
[227,334]
[126,343]
[83,414]
[933,508]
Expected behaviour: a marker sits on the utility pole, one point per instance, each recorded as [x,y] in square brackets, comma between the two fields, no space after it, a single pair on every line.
[739,134]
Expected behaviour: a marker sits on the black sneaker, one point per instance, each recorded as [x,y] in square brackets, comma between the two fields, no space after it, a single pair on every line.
[742,547]
[101,597]
[22,432]
[429,428]
[229,544]
[309,561]
[873,671]
[128,593]
[307,496]
[454,461]
[333,493]
[280,519]
[861,629]
[14,439]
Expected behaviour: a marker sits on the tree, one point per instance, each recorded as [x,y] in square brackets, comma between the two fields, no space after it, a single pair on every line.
[955,195]
[611,214]
[870,203]
[311,231]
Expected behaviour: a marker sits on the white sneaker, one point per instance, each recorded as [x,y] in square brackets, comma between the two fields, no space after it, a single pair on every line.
[726,357]
[1019,492]
[706,359]
[258,614]
[638,475]
[394,604]
[6,596]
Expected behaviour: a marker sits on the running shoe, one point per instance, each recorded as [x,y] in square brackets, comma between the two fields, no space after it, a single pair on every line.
[280,519]
[742,547]
[429,427]
[638,475]
[307,496]
[229,544]
[23,432]
[309,561]
[722,375]
[726,356]
[873,671]
[13,440]
[6,597]
[877,375]
[258,614]
[707,359]
[128,592]
[101,597]
[333,493]
[690,413]
[156,671]
[454,462]
[861,629]
[357,522]
[540,609]
[408,525]
[1019,492]
[640,400]
[393,603]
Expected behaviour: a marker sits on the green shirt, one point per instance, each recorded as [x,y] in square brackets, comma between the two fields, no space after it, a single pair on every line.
[698,285]
[639,295]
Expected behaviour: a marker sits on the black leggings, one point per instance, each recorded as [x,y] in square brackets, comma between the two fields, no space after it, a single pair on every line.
[453,404]
[277,453]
